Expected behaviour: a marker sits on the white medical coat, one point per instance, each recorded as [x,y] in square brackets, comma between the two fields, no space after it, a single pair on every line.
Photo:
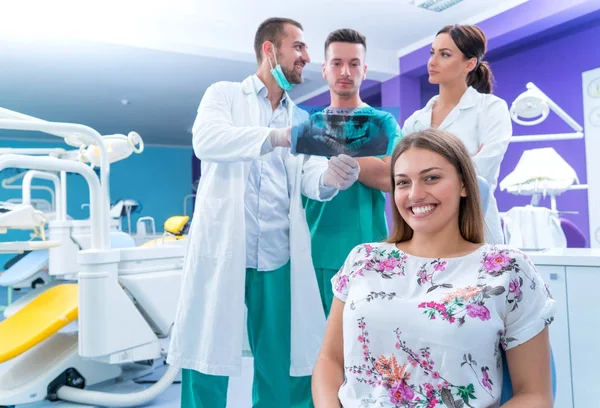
[478,119]
[208,334]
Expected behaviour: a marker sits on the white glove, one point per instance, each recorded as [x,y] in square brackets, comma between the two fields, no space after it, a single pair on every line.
[280,137]
[342,171]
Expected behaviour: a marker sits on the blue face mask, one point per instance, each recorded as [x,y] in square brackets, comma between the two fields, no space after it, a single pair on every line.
[279,76]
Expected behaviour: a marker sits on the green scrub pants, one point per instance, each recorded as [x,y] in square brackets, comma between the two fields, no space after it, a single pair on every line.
[324,277]
[269,334]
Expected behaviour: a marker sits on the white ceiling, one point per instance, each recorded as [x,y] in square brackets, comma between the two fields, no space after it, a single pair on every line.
[75,61]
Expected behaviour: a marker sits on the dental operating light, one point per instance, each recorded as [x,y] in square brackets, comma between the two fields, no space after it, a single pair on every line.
[118,147]
[532,107]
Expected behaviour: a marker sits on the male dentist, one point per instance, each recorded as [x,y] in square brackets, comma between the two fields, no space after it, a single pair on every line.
[249,244]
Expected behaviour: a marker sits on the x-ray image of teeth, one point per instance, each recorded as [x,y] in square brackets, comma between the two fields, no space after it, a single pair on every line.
[354,132]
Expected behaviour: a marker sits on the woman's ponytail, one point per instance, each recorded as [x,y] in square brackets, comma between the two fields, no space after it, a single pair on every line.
[481,78]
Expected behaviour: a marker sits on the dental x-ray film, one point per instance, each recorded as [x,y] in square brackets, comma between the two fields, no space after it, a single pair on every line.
[357,132]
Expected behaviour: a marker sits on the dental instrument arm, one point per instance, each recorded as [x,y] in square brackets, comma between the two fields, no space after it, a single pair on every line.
[12,115]
[328,375]
[73,134]
[57,151]
[495,131]
[7,183]
[59,204]
[216,139]
[40,204]
[98,238]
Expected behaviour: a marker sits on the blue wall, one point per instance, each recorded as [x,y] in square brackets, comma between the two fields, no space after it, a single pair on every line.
[158,179]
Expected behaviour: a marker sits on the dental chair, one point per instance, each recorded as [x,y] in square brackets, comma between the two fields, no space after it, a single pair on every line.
[108,321]
[507,393]
[575,237]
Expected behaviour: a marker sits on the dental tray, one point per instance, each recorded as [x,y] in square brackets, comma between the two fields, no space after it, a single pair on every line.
[18,247]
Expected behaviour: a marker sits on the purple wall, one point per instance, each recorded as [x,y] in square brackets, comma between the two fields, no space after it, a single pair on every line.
[555,67]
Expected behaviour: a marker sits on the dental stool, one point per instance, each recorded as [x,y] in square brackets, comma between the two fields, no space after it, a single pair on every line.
[484,192]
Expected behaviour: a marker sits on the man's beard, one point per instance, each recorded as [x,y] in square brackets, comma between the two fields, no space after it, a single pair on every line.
[292,76]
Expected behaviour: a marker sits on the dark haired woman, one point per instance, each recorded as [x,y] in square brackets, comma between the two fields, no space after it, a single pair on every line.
[466,107]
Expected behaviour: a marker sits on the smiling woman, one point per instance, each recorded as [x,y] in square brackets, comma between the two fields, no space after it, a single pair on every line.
[435,190]
[449,287]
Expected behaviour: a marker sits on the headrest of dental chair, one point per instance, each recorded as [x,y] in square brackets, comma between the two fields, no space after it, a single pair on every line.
[484,192]
[575,238]
[177,224]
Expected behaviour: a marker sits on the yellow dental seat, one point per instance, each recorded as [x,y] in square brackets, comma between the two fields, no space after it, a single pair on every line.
[175,227]
[41,318]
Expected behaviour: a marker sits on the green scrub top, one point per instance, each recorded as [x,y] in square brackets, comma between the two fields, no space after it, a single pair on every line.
[354,216]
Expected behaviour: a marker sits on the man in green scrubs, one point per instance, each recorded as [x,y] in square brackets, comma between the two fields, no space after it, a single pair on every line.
[355,215]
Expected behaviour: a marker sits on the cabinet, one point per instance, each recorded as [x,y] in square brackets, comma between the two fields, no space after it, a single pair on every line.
[584,329]
[573,276]
[555,276]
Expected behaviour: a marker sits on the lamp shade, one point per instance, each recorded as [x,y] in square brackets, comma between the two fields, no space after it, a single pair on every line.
[540,171]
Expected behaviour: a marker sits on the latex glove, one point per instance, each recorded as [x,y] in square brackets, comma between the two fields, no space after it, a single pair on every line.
[280,137]
[342,171]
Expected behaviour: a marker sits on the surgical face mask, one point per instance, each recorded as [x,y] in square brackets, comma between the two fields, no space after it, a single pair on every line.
[279,76]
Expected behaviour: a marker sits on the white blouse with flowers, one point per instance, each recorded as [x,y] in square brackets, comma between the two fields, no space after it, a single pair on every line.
[426,333]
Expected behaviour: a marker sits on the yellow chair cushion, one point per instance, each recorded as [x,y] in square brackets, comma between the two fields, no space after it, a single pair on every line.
[175,224]
[39,319]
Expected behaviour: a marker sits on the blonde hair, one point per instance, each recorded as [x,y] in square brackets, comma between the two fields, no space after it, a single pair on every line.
[470,216]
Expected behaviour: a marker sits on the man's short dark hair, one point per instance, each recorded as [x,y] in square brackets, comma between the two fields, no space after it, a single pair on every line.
[273,30]
[346,35]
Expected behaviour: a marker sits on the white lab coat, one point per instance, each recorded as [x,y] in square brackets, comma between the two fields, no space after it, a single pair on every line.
[478,119]
[208,334]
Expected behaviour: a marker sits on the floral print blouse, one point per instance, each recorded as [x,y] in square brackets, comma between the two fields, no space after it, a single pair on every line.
[426,333]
